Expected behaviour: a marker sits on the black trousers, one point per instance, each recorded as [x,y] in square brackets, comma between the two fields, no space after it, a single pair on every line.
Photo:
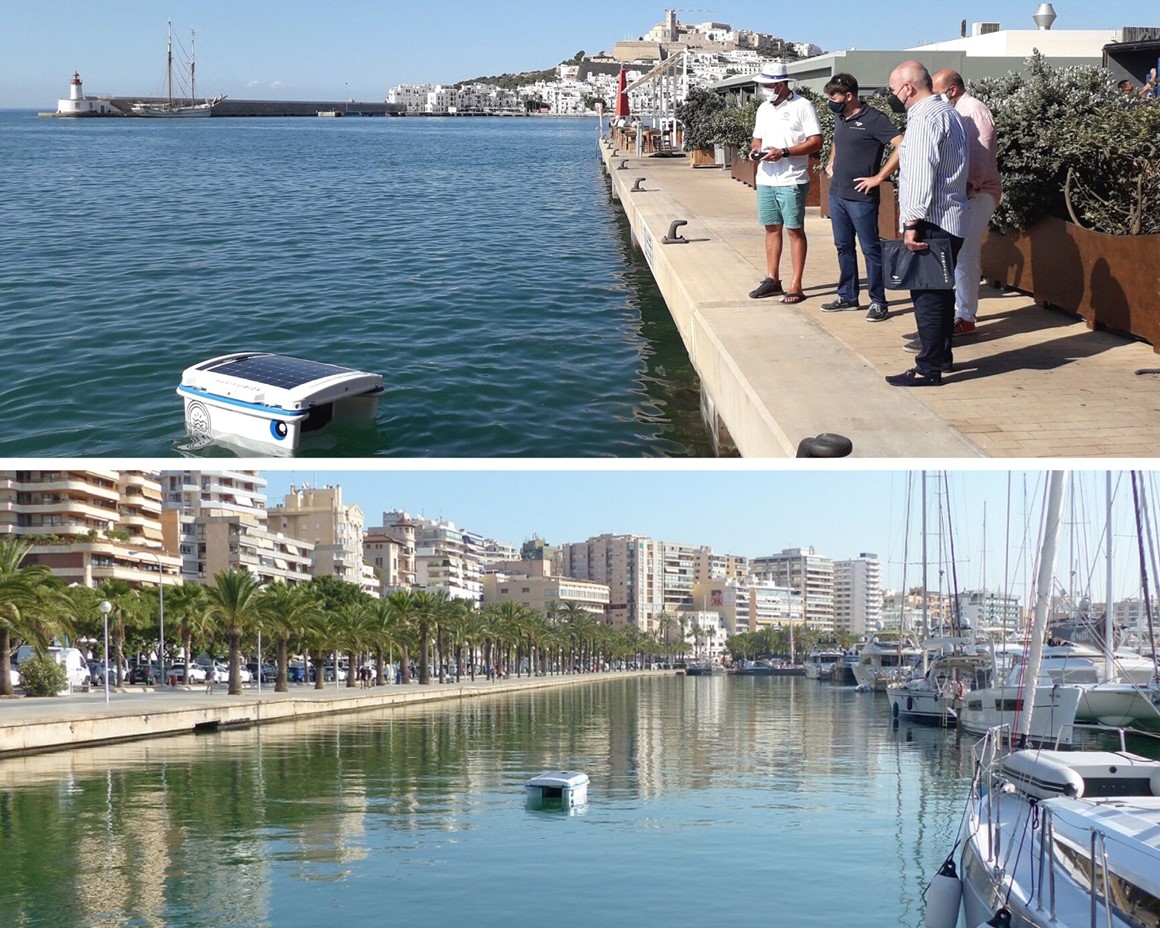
[934,310]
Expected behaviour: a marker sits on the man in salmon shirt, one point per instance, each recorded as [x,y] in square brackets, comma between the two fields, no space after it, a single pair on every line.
[984,188]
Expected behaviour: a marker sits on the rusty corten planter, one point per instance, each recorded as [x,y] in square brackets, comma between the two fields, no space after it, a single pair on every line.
[1111,281]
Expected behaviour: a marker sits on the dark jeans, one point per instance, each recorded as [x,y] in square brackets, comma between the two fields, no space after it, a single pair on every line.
[934,311]
[847,219]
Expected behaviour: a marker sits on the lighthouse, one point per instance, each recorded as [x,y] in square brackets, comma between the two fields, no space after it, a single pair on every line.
[77,104]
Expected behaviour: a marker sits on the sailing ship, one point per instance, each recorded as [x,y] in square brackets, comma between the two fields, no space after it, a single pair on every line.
[173,109]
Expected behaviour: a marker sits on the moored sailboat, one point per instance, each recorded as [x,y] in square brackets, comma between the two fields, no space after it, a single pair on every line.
[172,109]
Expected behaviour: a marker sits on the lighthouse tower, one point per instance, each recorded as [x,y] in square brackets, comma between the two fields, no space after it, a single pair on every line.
[77,104]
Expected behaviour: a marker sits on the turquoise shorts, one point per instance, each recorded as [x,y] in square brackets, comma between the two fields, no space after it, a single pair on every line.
[782,206]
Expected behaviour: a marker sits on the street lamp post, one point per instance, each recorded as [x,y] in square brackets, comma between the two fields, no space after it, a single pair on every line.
[106,607]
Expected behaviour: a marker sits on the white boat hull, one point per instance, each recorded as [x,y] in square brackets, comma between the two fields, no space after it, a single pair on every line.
[1119,705]
[1053,716]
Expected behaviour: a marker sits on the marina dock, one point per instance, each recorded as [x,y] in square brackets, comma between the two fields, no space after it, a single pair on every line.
[30,726]
[1034,382]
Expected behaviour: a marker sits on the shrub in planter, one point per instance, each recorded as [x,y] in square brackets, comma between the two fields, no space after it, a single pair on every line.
[696,114]
[1070,144]
[42,676]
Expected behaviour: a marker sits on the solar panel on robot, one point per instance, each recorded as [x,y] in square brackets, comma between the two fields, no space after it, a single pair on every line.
[270,401]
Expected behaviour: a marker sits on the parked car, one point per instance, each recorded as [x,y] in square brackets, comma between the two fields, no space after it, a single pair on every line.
[221,674]
[14,675]
[297,673]
[148,674]
[75,666]
[196,672]
[268,671]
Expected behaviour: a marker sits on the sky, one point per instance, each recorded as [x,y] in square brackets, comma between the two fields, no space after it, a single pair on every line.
[751,512]
[308,50]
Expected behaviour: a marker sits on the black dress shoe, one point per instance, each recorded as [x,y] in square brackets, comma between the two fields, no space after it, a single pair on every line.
[914,378]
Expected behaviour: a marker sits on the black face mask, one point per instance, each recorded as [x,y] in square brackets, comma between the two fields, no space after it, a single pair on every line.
[895,104]
[836,108]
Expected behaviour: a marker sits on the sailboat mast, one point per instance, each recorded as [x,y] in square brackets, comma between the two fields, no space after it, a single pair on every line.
[192,67]
[1108,605]
[169,66]
[925,598]
[1051,524]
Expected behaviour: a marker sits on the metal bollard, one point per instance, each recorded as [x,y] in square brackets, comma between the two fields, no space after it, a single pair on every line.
[623,166]
[672,237]
[825,445]
[637,188]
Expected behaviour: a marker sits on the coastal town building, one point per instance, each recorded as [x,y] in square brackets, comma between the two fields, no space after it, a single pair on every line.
[88,526]
[447,557]
[990,613]
[984,49]
[749,605]
[913,611]
[631,566]
[390,552]
[805,570]
[335,530]
[531,583]
[217,520]
[857,594]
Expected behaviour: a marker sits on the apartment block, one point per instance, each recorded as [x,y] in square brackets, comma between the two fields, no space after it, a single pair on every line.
[88,526]
[805,570]
[447,557]
[334,529]
[188,494]
[541,591]
[749,604]
[857,594]
[631,566]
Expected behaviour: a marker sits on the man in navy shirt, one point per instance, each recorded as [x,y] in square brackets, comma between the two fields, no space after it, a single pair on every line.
[861,134]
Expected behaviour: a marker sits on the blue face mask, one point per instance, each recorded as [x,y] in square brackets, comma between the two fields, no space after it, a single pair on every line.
[836,108]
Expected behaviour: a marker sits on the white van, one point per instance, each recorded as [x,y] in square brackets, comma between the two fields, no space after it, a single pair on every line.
[73,662]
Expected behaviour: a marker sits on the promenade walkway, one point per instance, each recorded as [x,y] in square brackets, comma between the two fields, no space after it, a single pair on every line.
[1033,382]
[62,722]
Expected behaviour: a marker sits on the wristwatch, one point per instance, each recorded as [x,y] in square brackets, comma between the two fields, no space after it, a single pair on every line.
[785,152]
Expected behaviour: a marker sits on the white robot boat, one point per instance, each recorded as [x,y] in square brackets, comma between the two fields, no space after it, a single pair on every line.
[269,401]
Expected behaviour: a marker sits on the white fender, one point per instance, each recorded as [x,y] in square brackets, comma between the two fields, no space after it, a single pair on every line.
[943,897]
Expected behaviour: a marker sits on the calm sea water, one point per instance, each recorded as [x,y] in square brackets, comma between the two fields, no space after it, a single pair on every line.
[749,801]
[478,264]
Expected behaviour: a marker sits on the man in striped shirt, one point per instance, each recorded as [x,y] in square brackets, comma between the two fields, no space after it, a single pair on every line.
[932,202]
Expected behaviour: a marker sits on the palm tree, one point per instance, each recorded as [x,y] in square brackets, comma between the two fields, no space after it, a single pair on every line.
[123,597]
[388,631]
[187,607]
[20,587]
[287,611]
[402,606]
[234,602]
[428,611]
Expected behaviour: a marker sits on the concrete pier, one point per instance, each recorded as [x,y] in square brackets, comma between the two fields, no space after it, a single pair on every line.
[1033,382]
[29,726]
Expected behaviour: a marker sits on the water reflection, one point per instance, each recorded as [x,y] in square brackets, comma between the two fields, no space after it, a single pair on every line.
[760,780]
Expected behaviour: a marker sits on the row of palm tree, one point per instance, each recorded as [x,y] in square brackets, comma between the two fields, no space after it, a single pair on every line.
[413,628]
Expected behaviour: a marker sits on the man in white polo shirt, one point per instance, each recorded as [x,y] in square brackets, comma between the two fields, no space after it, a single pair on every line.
[785,133]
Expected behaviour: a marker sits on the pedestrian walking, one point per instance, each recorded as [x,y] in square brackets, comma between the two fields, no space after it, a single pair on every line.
[932,202]
[786,132]
[984,191]
[861,134]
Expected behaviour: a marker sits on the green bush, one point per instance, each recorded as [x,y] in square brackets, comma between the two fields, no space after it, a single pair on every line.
[42,676]
[697,113]
[1071,145]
